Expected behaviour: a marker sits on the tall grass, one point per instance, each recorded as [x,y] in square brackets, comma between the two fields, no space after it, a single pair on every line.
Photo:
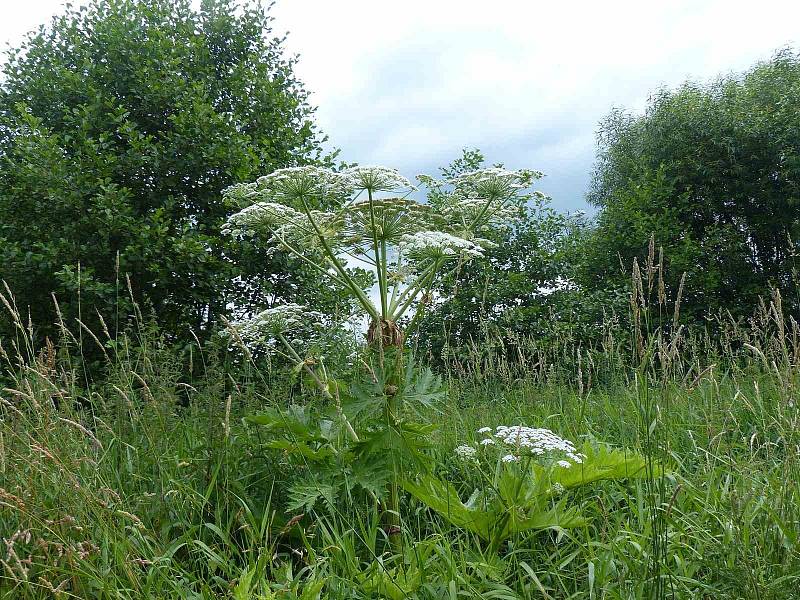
[147,483]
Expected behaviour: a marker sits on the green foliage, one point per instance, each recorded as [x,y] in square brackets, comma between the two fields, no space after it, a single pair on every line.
[516,499]
[355,451]
[398,582]
[516,508]
[521,287]
[120,125]
[711,171]
[602,462]
[166,489]
[417,388]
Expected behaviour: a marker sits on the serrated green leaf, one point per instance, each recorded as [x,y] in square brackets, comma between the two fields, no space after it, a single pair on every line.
[304,496]
[301,449]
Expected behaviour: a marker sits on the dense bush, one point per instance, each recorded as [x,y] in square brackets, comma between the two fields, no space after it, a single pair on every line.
[120,124]
[713,171]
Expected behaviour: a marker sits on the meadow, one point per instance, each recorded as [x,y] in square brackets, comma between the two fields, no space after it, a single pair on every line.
[144,484]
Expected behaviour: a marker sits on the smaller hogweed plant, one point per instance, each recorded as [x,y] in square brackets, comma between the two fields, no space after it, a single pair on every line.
[365,216]
[524,475]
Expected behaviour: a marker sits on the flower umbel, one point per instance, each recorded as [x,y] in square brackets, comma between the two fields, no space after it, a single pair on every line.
[437,244]
[532,442]
[264,328]
[262,215]
[465,452]
[294,184]
[379,179]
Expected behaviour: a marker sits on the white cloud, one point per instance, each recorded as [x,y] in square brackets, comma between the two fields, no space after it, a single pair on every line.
[410,83]
[524,80]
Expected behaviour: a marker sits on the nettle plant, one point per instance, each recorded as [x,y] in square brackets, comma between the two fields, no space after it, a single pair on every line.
[366,217]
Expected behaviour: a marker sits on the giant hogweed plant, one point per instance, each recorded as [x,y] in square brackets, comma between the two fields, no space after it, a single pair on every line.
[374,440]
[371,221]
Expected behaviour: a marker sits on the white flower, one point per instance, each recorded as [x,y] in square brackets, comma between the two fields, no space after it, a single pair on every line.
[486,199]
[488,442]
[484,430]
[510,458]
[388,219]
[564,463]
[537,441]
[495,181]
[262,329]
[465,452]
[466,212]
[378,179]
[558,489]
[437,244]
[269,215]
[305,183]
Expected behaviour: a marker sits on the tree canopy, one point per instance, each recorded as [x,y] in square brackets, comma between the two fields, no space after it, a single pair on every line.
[120,124]
[713,172]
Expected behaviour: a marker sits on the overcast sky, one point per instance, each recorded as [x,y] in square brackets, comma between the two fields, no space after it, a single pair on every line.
[409,83]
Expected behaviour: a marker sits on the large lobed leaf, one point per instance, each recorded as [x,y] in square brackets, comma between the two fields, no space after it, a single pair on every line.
[496,520]
[601,463]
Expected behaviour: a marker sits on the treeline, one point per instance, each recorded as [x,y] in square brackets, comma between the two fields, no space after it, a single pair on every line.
[702,192]
[121,123]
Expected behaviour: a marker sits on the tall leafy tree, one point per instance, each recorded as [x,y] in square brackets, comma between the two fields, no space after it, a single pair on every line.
[120,124]
[713,172]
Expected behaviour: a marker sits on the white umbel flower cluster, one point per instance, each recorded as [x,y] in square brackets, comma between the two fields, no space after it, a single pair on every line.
[495,182]
[533,441]
[294,183]
[435,244]
[462,211]
[293,321]
[269,215]
[378,179]
[484,199]
[466,452]
[327,217]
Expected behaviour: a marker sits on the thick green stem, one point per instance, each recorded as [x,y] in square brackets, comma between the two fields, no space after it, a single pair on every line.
[387,336]
[383,273]
[411,290]
[357,291]
[380,265]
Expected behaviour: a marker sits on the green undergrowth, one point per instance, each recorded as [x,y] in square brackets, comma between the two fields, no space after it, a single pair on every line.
[146,486]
